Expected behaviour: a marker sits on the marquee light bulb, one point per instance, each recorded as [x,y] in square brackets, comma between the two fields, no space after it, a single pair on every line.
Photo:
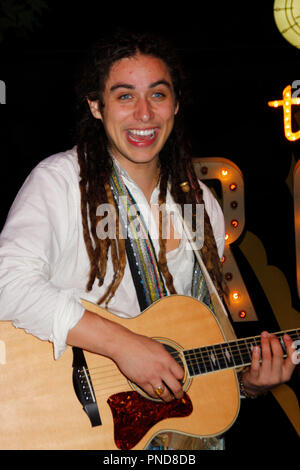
[236,296]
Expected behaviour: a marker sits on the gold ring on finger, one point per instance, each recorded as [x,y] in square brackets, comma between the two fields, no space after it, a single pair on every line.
[159,390]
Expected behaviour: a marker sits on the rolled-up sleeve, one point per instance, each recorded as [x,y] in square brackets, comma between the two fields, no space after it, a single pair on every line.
[31,245]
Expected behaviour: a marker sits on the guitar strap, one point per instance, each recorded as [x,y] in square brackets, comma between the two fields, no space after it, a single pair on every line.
[140,292]
[148,280]
[218,310]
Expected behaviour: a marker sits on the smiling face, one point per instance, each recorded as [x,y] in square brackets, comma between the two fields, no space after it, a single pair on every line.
[139,109]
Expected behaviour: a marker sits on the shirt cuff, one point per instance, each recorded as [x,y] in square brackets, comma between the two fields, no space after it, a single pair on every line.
[69,314]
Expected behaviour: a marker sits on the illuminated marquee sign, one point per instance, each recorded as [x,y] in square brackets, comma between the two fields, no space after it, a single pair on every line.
[287,101]
[232,184]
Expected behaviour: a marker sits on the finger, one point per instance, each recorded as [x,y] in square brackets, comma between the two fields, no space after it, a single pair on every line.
[277,356]
[255,362]
[174,386]
[266,355]
[290,361]
[157,391]
[177,371]
[161,391]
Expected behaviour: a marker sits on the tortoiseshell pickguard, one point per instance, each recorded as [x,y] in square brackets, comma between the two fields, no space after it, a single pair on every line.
[134,415]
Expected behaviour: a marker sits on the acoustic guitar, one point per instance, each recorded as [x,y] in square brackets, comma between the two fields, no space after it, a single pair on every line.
[83,401]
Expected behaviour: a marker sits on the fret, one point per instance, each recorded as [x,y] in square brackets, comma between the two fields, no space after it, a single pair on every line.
[251,343]
[241,359]
[221,356]
[249,350]
[213,357]
[244,352]
[196,362]
[227,355]
[208,363]
[202,362]
[237,359]
[189,362]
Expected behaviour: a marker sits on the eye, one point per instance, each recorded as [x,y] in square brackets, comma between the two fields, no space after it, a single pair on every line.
[158,94]
[125,96]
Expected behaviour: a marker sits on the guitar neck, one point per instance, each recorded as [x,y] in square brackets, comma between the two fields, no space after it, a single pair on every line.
[231,355]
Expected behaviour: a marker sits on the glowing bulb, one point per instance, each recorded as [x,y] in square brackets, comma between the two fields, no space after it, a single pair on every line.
[224,172]
[233,186]
[287,102]
[235,296]
[226,236]
[234,223]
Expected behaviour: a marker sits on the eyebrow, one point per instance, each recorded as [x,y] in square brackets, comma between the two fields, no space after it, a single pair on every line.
[131,87]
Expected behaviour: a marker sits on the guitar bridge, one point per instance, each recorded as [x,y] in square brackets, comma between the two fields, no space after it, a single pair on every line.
[84,388]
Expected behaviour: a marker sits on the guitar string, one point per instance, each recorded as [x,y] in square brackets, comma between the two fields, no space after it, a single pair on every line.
[205,356]
[239,346]
[100,390]
[124,382]
[205,361]
[208,363]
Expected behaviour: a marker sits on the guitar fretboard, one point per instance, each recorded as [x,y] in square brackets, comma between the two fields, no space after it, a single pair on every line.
[233,354]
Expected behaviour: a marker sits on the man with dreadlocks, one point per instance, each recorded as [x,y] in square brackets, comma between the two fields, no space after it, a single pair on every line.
[130,145]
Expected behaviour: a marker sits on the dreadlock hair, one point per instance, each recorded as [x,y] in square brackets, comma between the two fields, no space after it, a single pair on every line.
[96,166]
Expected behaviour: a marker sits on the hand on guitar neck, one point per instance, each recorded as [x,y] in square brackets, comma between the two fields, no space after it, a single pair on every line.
[142,360]
[269,368]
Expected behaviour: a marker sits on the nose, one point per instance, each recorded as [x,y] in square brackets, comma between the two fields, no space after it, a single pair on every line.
[143,111]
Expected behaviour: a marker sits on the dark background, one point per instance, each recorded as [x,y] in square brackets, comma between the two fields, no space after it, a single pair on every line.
[237,61]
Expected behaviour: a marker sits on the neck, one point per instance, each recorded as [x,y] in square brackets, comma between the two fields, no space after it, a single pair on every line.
[230,355]
[145,175]
[146,179]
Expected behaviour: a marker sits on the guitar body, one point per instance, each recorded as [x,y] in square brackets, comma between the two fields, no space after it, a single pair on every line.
[39,408]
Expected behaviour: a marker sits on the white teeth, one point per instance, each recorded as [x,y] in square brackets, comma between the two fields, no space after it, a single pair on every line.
[142,132]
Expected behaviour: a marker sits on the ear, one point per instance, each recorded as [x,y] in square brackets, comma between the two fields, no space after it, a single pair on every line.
[94,107]
[176,108]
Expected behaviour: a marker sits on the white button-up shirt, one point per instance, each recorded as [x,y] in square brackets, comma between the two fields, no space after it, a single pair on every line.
[44,266]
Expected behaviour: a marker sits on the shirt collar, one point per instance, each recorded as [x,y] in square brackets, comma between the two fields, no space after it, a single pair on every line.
[128,178]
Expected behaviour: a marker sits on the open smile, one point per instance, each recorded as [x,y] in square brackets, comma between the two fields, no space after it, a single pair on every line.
[142,137]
